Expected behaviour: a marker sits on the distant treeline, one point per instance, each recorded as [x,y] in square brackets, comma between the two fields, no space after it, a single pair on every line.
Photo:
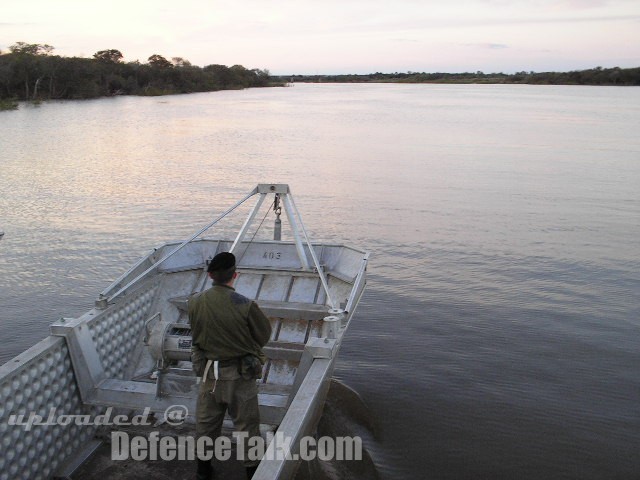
[595,76]
[33,72]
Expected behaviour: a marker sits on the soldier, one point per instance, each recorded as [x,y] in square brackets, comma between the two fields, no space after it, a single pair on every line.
[229,331]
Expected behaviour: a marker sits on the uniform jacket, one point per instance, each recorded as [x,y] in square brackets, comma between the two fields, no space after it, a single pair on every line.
[226,325]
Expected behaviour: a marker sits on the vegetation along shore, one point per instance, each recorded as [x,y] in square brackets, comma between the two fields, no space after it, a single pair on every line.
[594,76]
[31,72]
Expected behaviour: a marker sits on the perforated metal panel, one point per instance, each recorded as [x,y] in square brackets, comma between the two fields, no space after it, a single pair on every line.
[117,331]
[42,379]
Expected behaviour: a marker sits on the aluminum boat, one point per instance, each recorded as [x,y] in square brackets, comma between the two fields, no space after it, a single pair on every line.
[131,352]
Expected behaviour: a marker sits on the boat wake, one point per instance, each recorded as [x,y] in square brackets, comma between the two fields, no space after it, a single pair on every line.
[345,415]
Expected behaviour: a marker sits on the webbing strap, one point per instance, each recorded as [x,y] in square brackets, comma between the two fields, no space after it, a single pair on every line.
[216,373]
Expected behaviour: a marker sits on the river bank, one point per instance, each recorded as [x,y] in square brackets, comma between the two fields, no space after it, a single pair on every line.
[595,76]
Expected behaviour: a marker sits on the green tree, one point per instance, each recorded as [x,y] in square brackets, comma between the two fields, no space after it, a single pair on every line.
[27,66]
[109,56]
[219,76]
[30,71]
[180,62]
[241,76]
[31,48]
[159,61]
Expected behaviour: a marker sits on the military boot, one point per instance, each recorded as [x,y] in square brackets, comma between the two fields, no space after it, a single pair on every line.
[205,470]
[251,471]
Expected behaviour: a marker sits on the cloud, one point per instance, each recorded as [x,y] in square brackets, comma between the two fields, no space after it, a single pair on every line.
[341,34]
[489,46]
[405,40]
[433,23]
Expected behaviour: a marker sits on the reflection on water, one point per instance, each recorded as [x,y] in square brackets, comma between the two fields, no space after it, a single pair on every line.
[345,416]
[499,334]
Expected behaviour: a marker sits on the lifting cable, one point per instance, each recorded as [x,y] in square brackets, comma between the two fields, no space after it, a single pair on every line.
[272,207]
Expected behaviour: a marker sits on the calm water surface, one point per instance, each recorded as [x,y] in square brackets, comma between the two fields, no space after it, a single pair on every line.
[500,333]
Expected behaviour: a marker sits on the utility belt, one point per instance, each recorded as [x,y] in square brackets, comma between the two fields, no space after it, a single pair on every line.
[249,367]
[231,362]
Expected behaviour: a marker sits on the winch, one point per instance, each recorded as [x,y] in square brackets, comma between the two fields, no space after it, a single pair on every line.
[170,342]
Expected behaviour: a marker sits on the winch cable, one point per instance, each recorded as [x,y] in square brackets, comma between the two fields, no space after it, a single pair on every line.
[272,207]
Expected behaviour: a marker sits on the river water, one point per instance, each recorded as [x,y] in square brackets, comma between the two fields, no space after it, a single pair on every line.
[500,333]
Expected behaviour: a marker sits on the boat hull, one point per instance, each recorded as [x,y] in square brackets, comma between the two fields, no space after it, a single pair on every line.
[113,356]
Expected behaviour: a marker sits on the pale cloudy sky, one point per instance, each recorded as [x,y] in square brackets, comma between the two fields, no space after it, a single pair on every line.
[340,36]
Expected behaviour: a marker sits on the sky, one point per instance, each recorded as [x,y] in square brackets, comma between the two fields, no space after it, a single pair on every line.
[340,36]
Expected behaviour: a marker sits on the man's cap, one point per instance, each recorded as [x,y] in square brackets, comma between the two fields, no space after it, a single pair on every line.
[222,261]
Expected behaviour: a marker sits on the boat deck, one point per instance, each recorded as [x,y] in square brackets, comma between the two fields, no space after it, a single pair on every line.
[344,415]
[101,466]
[131,352]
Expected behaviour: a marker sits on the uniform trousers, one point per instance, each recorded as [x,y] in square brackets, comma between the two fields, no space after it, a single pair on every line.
[232,393]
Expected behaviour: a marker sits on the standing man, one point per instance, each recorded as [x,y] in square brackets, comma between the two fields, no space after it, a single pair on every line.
[229,331]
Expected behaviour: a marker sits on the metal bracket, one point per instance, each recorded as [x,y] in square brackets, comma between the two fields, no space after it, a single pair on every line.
[84,356]
[273,188]
[297,227]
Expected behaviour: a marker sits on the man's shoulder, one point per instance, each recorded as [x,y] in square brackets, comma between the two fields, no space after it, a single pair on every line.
[235,297]
[239,299]
[215,293]
[192,300]
[194,297]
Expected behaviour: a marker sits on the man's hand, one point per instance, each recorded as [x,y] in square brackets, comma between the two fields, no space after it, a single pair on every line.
[198,360]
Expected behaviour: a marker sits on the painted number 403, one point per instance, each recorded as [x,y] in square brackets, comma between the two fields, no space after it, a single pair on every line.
[271,255]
